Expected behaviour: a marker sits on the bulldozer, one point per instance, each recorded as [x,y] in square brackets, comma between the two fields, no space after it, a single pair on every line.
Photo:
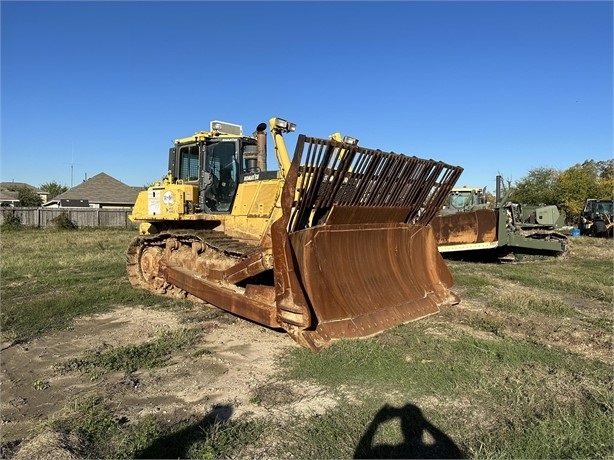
[596,218]
[334,244]
[469,225]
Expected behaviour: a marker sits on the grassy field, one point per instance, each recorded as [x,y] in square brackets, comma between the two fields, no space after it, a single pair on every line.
[521,368]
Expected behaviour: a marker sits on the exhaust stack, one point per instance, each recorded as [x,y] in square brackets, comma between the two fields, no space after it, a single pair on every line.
[261,139]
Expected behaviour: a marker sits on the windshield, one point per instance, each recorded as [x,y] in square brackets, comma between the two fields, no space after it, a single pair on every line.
[605,207]
[459,200]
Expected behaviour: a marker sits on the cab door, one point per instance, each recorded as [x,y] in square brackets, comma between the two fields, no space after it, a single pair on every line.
[221,163]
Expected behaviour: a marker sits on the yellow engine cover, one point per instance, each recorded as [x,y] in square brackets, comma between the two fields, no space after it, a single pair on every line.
[164,202]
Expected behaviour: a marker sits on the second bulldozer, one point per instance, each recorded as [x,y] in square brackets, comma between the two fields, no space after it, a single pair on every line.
[470,226]
[336,243]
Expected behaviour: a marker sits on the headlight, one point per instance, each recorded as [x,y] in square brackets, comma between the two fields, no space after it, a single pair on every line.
[350,140]
[284,125]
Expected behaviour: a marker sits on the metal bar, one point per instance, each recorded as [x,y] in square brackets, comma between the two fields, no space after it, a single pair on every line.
[333,174]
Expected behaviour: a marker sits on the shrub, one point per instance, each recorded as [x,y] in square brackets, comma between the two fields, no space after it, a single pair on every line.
[10,221]
[63,222]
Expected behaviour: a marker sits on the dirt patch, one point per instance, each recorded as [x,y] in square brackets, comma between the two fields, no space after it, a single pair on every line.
[568,333]
[231,364]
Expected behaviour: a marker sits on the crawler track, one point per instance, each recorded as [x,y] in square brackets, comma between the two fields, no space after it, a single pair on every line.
[198,251]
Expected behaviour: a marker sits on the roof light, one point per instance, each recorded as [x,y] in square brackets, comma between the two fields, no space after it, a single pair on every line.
[350,140]
[224,127]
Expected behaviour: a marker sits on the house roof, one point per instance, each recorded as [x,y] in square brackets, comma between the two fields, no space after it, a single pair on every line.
[101,188]
[16,185]
[7,195]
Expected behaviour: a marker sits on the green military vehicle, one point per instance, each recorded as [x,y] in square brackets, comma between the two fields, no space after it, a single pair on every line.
[510,231]
[596,218]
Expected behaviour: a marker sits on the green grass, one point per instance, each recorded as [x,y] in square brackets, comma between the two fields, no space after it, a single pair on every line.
[102,432]
[412,360]
[495,392]
[516,385]
[472,283]
[573,433]
[483,377]
[50,277]
[130,358]
[528,303]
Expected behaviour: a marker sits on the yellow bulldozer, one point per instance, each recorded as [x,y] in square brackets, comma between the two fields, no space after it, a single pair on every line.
[334,244]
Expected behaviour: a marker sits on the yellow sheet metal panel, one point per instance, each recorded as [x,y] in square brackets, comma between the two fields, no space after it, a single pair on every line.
[246,194]
[265,199]
[164,202]
[257,199]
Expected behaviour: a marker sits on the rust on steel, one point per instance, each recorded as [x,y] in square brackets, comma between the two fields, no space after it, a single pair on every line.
[479,226]
[353,252]
[257,307]
[351,176]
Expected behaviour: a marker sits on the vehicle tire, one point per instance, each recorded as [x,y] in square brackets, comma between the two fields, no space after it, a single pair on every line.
[598,228]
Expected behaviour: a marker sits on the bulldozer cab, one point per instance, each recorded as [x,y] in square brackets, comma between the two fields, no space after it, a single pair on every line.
[216,166]
[463,199]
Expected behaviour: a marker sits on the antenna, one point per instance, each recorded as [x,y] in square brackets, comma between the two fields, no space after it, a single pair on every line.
[72,162]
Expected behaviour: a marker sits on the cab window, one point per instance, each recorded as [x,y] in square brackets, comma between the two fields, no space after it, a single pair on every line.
[188,163]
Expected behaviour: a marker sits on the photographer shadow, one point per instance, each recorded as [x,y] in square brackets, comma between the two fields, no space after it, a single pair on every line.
[178,443]
[421,439]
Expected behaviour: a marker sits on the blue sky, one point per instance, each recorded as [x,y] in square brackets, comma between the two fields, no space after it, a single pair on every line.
[495,87]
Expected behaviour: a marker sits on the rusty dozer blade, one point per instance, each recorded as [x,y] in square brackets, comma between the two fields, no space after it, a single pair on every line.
[477,228]
[353,252]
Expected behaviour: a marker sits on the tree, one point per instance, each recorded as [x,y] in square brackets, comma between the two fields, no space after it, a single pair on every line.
[606,179]
[606,168]
[591,179]
[567,189]
[28,197]
[538,187]
[53,189]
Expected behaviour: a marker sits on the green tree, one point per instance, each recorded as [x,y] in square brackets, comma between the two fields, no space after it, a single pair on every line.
[538,187]
[53,189]
[606,168]
[591,179]
[606,179]
[28,197]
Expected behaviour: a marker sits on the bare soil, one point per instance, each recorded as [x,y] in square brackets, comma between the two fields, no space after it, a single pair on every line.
[231,365]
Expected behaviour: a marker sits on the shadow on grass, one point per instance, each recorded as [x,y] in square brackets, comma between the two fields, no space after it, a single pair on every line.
[177,444]
[421,439]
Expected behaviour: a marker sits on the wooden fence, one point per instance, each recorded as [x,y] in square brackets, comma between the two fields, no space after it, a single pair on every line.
[82,217]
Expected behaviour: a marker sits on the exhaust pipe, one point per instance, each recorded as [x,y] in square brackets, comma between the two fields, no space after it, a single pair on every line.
[261,143]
